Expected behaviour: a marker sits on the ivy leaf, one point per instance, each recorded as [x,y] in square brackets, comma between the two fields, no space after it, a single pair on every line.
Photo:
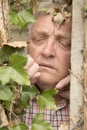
[85,8]
[27,16]
[22,18]
[6,94]
[39,124]
[4,128]
[28,92]
[32,91]
[17,61]
[9,73]
[46,99]
[24,99]
[13,17]
[20,126]
[5,52]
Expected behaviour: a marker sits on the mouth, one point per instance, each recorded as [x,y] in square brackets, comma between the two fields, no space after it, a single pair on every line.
[46,66]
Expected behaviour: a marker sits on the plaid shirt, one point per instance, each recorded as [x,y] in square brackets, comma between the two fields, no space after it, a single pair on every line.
[54,117]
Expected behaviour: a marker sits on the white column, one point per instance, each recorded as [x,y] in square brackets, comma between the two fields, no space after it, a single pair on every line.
[76,90]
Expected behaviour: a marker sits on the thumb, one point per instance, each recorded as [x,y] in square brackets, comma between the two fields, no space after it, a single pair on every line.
[62,83]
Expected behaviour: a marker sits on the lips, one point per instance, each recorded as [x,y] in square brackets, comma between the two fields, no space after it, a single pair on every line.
[46,65]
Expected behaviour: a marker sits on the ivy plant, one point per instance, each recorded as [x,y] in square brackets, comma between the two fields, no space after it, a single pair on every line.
[16,90]
[21,12]
[15,86]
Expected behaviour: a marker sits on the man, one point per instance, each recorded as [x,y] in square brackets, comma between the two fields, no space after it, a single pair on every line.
[48,65]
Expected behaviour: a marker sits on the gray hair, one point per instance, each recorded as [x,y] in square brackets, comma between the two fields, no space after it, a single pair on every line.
[51,8]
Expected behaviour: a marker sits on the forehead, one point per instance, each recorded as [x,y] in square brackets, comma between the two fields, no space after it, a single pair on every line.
[45,24]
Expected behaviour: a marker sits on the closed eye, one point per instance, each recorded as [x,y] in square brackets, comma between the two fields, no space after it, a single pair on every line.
[39,38]
[64,43]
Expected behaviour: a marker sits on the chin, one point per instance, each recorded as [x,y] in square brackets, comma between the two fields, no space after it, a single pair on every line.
[46,82]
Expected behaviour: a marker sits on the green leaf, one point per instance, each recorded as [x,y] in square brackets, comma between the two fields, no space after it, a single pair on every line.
[32,90]
[13,17]
[6,94]
[17,61]
[27,16]
[4,128]
[85,8]
[39,124]
[7,103]
[9,73]
[24,99]
[22,18]
[5,52]
[46,99]
[28,93]
[20,126]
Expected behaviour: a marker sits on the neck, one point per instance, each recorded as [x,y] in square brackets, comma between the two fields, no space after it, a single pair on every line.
[57,97]
[42,87]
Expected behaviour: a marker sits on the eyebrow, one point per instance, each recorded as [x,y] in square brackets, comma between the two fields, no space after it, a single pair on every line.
[39,33]
[45,33]
[63,35]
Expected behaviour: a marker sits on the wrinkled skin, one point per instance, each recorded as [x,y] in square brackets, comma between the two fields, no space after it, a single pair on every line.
[49,48]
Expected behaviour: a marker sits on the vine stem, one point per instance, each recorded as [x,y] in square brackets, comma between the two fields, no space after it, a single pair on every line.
[10,114]
[3,116]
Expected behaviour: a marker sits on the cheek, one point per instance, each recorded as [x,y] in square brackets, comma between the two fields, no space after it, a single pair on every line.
[67,61]
[33,51]
[64,60]
[66,64]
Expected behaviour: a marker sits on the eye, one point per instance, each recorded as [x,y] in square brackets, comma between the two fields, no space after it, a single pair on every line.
[39,39]
[64,43]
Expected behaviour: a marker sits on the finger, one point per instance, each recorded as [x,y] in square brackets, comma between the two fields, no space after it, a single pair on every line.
[30,62]
[64,82]
[33,69]
[35,77]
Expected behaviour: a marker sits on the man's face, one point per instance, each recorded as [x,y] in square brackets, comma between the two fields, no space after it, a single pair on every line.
[50,48]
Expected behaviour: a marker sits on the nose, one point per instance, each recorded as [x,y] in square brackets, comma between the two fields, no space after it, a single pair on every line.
[49,49]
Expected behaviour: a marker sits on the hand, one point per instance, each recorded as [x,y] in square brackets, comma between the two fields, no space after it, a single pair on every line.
[64,87]
[33,69]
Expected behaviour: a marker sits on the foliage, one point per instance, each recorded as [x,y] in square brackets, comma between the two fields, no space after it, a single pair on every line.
[15,86]
[85,8]
[40,124]
[21,12]
[45,98]
[16,90]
